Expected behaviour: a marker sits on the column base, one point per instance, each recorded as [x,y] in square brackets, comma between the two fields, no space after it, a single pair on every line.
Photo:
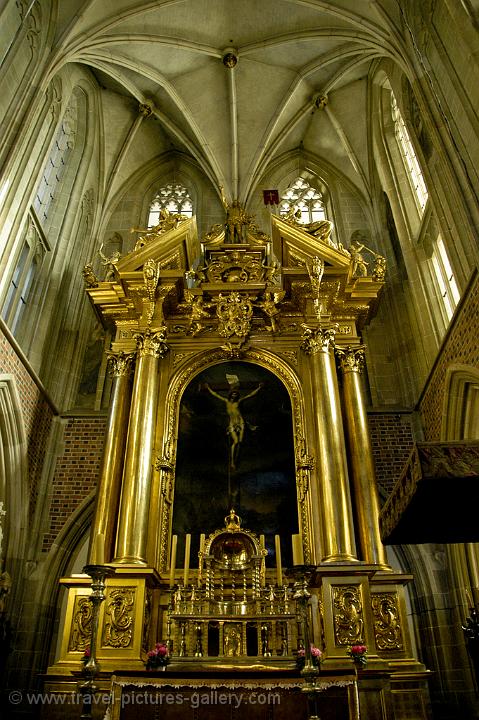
[339,558]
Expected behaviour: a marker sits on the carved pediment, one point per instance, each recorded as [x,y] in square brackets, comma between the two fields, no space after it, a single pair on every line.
[296,247]
[174,249]
[142,285]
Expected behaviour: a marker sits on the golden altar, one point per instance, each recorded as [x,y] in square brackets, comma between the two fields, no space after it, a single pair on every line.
[261,336]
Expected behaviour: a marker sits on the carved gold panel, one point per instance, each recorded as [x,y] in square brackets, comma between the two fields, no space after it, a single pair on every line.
[348,614]
[387,621]
[81,624]
[119,617]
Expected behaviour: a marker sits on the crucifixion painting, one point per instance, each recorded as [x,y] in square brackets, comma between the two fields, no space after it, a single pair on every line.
[236,422]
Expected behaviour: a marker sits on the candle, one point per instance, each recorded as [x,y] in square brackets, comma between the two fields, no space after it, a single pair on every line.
[200,556]
[187,559]
[174,542]
[263,561]
[99,549]
[279,571]
[297,550]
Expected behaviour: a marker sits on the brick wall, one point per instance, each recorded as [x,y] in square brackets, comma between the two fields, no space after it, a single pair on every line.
[37,414]
[77,470]
[460,346]
[392,440]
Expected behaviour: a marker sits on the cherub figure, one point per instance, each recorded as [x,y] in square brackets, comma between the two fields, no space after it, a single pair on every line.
[198,311]
[270,307]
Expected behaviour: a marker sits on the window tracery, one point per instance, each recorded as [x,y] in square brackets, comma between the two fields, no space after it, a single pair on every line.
[172,197]
[57,162]
[410,160]
[307,199]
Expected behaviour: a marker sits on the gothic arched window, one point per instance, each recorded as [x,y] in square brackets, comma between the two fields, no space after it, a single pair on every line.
[172,197]
[301,195]
[410,160]
[57,162]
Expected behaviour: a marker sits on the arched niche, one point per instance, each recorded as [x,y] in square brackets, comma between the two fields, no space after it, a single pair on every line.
[235,450]
[268,458]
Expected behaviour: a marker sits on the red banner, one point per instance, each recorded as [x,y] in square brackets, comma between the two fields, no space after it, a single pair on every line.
[271,197]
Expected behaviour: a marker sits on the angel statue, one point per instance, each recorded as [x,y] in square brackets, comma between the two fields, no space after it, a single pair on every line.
[270,307]
[359,266]
[166,221]
[109,263]
[236,219]
[320,229]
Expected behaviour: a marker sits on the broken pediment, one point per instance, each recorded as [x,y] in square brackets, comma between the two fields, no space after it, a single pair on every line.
[235,289]
[345,289]
[139,286]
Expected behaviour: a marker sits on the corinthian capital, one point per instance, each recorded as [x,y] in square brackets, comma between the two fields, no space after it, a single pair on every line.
[351,359]
[316,339]
[152,343]
[120,363]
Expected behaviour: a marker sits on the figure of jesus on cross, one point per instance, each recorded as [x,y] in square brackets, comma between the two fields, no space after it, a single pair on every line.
[236,422]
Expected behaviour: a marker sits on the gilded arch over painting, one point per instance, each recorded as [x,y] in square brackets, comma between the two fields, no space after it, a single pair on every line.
[282,384]
[261,484]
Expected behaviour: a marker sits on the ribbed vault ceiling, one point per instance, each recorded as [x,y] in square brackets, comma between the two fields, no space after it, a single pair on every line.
[236,121]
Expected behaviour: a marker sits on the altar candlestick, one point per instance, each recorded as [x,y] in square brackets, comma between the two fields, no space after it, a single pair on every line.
[263,561]
[279,570]
[297,550]
[200,557]
[187,559]
[174,542]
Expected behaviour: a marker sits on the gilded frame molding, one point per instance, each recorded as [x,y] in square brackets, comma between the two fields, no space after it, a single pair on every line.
[166,466]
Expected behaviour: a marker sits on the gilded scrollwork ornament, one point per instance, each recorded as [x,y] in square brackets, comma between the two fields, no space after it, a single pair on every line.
[81,624]
[152,343]
[351,358]
[315,272]
[151,276]
[234,312]
[387,621]
[348,614]
[89,277]
[147,619]
[317,339]
[118,631]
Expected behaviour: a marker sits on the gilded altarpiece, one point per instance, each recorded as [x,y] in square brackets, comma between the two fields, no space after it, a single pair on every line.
[237,388]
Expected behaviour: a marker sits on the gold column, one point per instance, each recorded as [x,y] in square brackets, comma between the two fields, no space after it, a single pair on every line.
[137,476]
[108,493]
[361,457]
[333,486]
